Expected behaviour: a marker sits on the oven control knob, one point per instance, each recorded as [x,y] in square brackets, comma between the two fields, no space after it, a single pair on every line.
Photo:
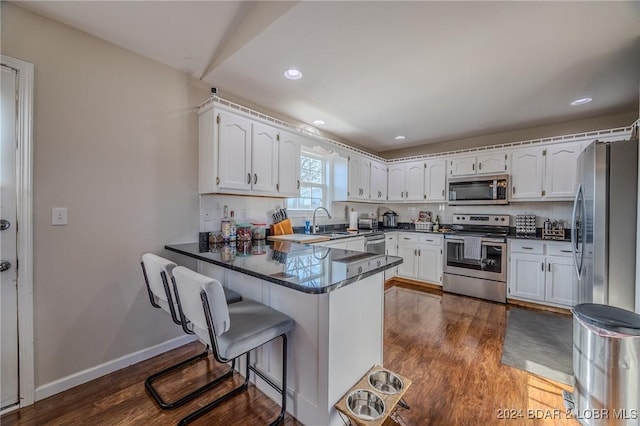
[496,219]
[463,218]
[502,219]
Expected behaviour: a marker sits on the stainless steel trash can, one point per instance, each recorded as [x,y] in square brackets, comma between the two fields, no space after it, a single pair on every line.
[606,356]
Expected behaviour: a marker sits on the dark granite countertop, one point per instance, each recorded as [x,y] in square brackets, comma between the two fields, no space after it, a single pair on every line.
[302,267]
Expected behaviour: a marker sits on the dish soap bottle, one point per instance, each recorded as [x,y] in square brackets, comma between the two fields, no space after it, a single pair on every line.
[225,224]
[436,224]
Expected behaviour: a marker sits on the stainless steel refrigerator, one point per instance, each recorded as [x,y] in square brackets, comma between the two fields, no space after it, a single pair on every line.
[603,229]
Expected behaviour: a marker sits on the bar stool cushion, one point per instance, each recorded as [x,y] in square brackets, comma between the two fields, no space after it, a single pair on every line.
[231,296]
[252,324]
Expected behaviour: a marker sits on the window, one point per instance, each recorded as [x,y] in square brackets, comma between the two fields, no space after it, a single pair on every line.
[313,183]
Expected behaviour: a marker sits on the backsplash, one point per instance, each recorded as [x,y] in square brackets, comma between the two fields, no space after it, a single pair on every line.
[254,209]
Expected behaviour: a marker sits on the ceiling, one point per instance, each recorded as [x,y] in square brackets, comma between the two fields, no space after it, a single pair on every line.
[431,71]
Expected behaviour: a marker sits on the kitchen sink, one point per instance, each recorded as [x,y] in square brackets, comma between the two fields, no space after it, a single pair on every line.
[336,234]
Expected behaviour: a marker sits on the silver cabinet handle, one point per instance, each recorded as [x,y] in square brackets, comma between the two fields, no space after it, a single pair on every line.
[549,267]
[566,251]
[4,224]
[473,167]
[298,187]
[419,252]
[415,252]
[514,189]
[542,267]
[249,178]
[443,192]
[4,265]
[255,178]
[406,238]
[527,248]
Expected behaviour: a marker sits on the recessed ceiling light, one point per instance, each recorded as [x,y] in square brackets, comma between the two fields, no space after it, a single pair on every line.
[400,138]
[581,101]
[293,74]
[319,122]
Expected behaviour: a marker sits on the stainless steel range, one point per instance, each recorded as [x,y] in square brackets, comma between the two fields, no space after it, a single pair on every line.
[475,257]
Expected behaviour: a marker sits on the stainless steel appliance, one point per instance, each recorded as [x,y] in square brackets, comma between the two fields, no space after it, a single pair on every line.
[478,190]
[603,226]
[606,350]
[475,256]
[374,242]
[368,223]
[390,219]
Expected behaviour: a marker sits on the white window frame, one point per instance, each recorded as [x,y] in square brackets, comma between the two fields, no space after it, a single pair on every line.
[328,178]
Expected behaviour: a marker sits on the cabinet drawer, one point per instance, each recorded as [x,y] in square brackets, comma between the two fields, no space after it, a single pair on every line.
[559,249]
[434,240]
[390,238]
[531,247]
[407,238]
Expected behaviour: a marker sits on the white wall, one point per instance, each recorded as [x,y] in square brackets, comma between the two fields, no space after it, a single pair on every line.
[115,139]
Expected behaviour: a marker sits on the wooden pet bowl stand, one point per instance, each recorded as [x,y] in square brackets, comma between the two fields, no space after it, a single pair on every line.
[390,400]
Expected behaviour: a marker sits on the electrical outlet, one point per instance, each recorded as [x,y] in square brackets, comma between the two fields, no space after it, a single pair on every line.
[58,216]
[206,215]
[243,214]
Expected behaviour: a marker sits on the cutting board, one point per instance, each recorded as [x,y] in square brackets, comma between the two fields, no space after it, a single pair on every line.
[299,238]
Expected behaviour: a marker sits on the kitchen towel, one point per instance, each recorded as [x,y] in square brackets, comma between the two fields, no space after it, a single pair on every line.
[472,248]
[353,219]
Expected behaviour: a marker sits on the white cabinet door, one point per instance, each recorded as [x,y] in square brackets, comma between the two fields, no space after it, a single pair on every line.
[264,155]
[408,254]
[560,170]
[378,181]
[527,168]
[356,243]
[527,276]
[391,249]
[430,263]
[289,165]
[234,161]
[435,179]
[461,166]
[395,182]
[359,176]
[493,163]
[414,181]
[561,284]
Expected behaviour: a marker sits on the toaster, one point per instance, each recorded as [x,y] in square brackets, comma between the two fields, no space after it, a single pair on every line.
[367,223]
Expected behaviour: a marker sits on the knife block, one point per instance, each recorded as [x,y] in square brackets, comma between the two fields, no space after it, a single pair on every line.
[282,228]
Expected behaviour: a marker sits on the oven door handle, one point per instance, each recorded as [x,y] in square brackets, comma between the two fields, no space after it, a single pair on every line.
[484,243]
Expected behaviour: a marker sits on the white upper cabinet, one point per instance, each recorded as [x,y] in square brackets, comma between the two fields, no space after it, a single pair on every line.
[493,163]
[560,170]
[544,173]
[359,177]
[238,155]
[435,180]
[527,169]
[488,163]
[461,166]
[378,181]
[414,181]
[395,182]
[234,148]
[288,165]
[406,181]
[264,159]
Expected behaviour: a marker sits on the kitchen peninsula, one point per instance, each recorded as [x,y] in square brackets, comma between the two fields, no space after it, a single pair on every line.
[335,297]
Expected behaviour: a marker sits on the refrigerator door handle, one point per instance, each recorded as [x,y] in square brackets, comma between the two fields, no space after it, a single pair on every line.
[574,230]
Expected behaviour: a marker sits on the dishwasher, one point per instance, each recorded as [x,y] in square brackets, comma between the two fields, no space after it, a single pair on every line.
[374,243]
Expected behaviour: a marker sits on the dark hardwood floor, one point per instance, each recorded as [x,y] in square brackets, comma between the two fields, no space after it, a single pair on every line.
[449,346]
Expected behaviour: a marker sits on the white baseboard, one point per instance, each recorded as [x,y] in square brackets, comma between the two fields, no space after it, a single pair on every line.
[92,373]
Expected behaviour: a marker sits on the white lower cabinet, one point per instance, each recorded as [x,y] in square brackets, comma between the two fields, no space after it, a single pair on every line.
[391,249]
[542,272]
[347,243]
[421,255]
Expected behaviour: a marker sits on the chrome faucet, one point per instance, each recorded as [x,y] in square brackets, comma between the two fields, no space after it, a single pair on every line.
[315,225]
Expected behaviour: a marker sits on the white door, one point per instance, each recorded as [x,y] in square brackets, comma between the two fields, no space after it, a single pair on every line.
[378,181]
[429,263]
[462,166]
[561,284]
[395,182]
[234,161]
[527,276]
[492,163]
[414,181]
[289,165]
[527,168]
[408,254]
[435,176]
[8,254]
[264,159]
[355,174]
[561,166]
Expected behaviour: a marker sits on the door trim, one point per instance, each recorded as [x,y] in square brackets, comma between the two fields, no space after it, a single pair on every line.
[24,183]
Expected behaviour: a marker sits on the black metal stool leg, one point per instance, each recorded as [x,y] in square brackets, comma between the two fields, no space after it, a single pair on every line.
[283,391]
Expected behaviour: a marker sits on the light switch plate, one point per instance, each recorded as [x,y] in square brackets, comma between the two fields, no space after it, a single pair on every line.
[59,216]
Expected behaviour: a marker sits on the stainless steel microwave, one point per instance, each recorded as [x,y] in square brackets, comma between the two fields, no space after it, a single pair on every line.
[479,190]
